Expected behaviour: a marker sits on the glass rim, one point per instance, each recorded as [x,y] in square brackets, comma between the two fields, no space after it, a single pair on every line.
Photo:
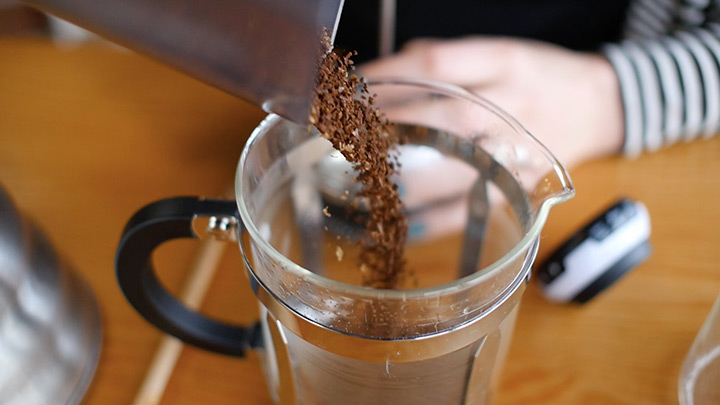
[460,284]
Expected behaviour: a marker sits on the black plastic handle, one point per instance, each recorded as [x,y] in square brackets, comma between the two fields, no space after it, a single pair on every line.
[147,229]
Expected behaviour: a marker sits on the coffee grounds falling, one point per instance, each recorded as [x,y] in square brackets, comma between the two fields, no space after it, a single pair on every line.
[343,112]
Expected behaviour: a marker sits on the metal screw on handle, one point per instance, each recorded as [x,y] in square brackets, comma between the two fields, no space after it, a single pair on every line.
[222,227]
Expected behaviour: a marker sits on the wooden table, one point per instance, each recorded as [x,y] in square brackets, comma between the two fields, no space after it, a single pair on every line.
[90,134]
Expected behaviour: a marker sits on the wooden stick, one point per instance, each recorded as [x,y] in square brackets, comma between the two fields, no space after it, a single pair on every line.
[202,272]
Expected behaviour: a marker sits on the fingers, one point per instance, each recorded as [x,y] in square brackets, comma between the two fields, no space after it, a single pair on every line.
[464,62]
[426,112]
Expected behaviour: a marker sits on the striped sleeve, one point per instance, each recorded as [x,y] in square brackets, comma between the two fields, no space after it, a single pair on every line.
[670,81]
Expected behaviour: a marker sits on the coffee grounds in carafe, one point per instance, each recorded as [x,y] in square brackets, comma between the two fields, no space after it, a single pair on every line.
[344,113]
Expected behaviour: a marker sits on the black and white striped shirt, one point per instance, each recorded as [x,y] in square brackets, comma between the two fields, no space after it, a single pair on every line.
[668,66]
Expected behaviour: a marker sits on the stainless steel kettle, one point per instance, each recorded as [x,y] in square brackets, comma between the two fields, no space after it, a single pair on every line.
[50,333]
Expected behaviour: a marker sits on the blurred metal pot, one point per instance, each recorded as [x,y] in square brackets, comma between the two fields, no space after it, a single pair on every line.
[50,332]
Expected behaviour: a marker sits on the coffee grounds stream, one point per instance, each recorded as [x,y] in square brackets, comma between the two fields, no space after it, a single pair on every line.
[344,113]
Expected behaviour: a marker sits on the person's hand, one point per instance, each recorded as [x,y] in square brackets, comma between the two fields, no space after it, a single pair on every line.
[569,100]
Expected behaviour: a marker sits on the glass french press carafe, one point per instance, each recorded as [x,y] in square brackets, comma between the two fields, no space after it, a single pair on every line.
[325,339]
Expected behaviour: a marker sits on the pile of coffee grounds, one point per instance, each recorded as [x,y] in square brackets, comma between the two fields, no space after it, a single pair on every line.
[343,112]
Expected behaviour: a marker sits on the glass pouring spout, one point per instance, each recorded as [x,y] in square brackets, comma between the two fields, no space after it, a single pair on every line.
[264,51]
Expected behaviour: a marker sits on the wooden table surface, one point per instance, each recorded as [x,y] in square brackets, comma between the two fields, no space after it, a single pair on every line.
[89,134]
